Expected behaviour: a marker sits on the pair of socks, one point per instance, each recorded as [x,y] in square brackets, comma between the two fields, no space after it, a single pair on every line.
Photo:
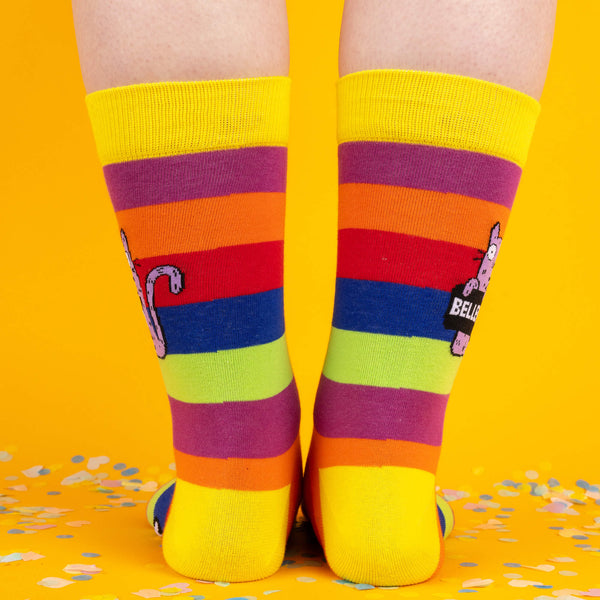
[429,164]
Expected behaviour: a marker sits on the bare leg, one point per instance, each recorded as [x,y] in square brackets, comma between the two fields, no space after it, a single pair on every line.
[503,41]
[139,41]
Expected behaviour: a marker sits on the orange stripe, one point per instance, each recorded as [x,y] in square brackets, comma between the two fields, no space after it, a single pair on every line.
[435,215]
[204,224]
[240,473]
[334,452]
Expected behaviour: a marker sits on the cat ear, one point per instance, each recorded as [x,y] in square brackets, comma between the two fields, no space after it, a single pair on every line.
[495,233]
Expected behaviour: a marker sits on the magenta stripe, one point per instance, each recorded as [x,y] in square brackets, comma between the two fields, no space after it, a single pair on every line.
[344,410]
[252,429]
[430,168]
[203,175]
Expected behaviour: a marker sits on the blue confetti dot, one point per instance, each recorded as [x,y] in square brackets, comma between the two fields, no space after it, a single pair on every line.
[64,536]
[15,531]
[2,508]
[513,565]
[467,591]
[130,471]
[543,587]
[82,577]
[509,483]
[119,466]
[468,564]
[507,509]
[594,488]
[580,537]
[128,504]
[53,493]
[553,482]
[77,458]
[44,471]
[114,496]
[583,546]
[503,516]
[582,483]
[135,480]
[364,586]
[486,497]
[556,528]
[90,554]
[478,509]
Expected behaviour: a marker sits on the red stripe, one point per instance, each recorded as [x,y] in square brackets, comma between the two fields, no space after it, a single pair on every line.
[398,258]
[221,273]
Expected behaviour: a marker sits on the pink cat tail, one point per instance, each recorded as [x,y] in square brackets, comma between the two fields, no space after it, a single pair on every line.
[429,164]
[196,172]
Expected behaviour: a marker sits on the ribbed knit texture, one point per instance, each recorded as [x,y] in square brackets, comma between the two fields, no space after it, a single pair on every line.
[429,164]
[196,172]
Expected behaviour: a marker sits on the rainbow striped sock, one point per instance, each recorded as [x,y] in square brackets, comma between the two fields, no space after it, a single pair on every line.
[429,164]
[196,172]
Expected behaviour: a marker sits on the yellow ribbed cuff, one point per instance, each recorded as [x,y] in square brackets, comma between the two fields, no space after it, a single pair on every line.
[437,109]
[148,120]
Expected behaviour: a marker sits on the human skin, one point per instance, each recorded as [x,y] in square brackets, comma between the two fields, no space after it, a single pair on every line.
[124,42]
[503,41]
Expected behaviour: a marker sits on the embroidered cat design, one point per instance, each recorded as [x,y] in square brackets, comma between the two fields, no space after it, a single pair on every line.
[465,301]
[175,285]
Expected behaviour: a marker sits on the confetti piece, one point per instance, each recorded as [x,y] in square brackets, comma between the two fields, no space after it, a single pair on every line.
[19,488]
[521,583]
[507,540]
[568,573]
[468,564]
[147,593]
[5,456]
[11,557]
[306,579]
[96,461]
[77,569]
[54,582]
[40,527]
[477,582]
[90,554]
[513,575]
[31,556]
[545,568]
[77,478]
[33,471]
[562,559]
[531,474]
[77,523]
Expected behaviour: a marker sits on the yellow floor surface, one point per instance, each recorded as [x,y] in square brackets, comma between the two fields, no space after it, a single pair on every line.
[77,530]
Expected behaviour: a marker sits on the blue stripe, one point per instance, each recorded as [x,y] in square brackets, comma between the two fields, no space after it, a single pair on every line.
[391,308]
[223,324]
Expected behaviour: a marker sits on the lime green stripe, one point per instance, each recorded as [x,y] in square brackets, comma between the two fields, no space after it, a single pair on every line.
[390,361]
[436,109]
[251,373]
[147,120]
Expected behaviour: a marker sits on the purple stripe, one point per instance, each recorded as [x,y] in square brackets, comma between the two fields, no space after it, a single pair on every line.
[159,180]
[430,168]
[248,429]
[344,410]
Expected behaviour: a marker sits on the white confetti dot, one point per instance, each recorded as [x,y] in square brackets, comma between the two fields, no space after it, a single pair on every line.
[531,474]
[568,573]
[306,579]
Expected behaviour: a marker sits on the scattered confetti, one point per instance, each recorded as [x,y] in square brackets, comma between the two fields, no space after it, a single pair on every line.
[306,579]
[54,582]
[477,582]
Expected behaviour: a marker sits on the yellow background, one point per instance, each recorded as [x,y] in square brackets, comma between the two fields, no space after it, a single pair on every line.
[79,374]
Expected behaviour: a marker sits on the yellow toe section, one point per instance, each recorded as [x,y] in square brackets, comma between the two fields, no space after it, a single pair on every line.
[226,535]
[380,524]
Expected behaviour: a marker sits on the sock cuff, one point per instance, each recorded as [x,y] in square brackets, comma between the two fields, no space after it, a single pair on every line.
[149,120]
[437,109]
